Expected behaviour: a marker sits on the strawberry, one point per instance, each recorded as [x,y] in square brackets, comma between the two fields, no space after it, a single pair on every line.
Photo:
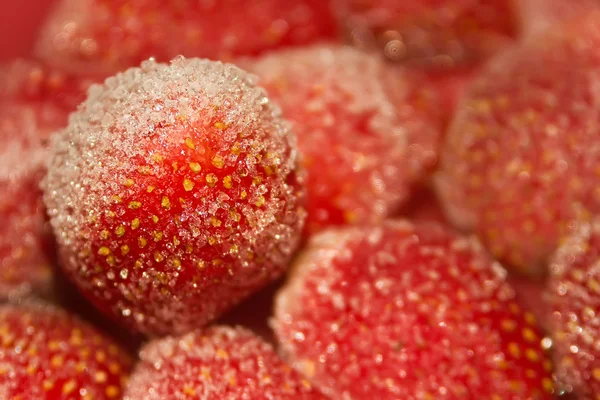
[522,156]
[218,363]
[362,127]
[408,311]
[538,15]
[574,294]
[48,354]
[174,194]
[111,35]
[432,33]
[34,101]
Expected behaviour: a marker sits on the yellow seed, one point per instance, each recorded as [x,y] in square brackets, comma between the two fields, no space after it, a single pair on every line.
[150,189]
[135,223]
[112,391]
[158,257]
[211,180]
[103,251]
[176,241]
[124,250]
[117,199]
[222,354]
[47,385]
[221,126]
[134,205]
[120,231]
[142,242]
[100,376]
[195,167]
[513,349]
[57,361]
[548,385]
[157,157]
[166,203]
[188,185]
[508,325]
[529,335]
[190,143]
[128,182]
[243,195]
[228,182]
[100,356]
[176,262]
[215,222]
[154,219]
[104,234]
[532,355]
[145,170]
[157,236]
[114,368]
[260,201]
[110,260]
[175,166]
[218,161]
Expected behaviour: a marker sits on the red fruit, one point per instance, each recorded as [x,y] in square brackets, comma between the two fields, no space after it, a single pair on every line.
[362,128]
[538,15]
[48,354]
[436,33]
[522,157]
[34,102]
[217,363]
[574,294]
[110,36]
[408,311]
[173,194]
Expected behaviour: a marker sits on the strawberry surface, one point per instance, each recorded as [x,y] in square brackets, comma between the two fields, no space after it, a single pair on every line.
[174,194]
[48,354]
[522,156]
[574,295]
[433,33]
[363,128]
[109,35]
[221,362]
[408,311]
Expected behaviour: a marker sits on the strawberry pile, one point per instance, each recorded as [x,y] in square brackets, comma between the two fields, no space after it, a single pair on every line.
[302,199]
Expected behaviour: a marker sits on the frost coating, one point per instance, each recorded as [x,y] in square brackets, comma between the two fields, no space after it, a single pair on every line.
[407,311]
[362,136]
[218,363]
[173,193]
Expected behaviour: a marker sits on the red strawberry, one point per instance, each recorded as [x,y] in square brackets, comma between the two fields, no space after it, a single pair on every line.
[408,311]
[522,157]
[111,35]
[437,33]
[362,127]
[538,15]
[173,194]
[34,101]
[47,354]
[217,363]
[574,293]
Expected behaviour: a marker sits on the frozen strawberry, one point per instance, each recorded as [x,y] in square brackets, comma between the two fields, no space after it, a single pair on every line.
[218,363]
[538,15]
[362,128]
[574,294]
[522,156]
[435,33]
[408,311]
[109,36]
[34,102]
[174,194]
[48,354]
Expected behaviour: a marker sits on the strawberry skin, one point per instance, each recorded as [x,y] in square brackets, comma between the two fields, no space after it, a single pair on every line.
[574,295]
[363,129]
[439,34]
[48,354]
[521,158]
[174,194]
[107,36]
[221,362]
[408,311]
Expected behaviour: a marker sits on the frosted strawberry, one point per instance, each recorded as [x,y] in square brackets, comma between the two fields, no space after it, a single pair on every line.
[109,36]
[522,156]
[538,15]
[435,33]
[34,102]
[408,311]
[363,129]
[48,354]
[574,294]
[217,363]
[174,194]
